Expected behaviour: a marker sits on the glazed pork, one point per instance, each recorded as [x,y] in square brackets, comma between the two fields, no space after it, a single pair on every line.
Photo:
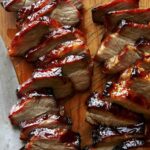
[15,5]
[29,108]
[98,13]
[51,78]
[106,135]
[62,11]
[107,113]
[54,39]
[73,47]
[53,139]
[61,76]
[114,43]
[121,94]
[127,57]
[144,46]
[44,121]
[30,36]
[141,16]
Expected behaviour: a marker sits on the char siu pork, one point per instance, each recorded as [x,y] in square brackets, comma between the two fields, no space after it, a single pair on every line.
[53,139]
[144,46]
[127,57]
[15,5]
[62,11]
[30,36]
[73,47]
[98,13]
[29,108]
[44,121]
[48,78]
[107,113]
[106,135]
[141,16]
[121,94]
[54,39]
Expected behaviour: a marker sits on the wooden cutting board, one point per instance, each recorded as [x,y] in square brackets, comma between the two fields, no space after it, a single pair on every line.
[75,107]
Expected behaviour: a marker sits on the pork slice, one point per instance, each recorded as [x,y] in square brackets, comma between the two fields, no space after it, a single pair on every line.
[73,47]
[98,13]
[47,139]
[107,113]
[127,57]
[27,15]
[107,135]
[137,15]
[44,121]
[133,31]
[15,5]
[66,14]
[48,78]
[141,85]
[144,46]
[53,40]
[29,108]
[30,36]
[121,94]
[111,46]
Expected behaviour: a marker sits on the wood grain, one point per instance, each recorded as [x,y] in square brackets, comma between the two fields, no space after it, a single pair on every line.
[75,107]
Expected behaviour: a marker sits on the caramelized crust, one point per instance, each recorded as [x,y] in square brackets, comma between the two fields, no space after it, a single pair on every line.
[54,39]
[30,108]
[141,16]
[98,13]
[30,36]
[107,113]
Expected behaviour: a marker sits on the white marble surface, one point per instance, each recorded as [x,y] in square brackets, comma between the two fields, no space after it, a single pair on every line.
[9,136]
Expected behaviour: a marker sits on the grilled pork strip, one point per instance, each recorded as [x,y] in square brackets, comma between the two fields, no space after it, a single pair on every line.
[15,5]
[106,135]
[54,39]
[30,36]
[107,113]
[133,31]
[44,121]
[98,13]
[128,34]
[73,47]
[140,16]
[110,47]
[62,11]
[49,78]
[55,139]
[144,46]
[127,57]
[121,94]
[28,108]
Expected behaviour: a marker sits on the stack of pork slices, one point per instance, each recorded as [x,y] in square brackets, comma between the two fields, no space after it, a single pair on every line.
[48,38]
[120,115]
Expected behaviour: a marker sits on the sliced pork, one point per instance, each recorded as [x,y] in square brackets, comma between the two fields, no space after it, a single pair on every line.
[141,16]
[106,135]
[73,47]
[15,5]
[30,36]
[53,40]
[127,57]
[48,78]
[48,139]
[28,108]
[44,121]
[107,113]
[98,13]
[121,94]
[62,11]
